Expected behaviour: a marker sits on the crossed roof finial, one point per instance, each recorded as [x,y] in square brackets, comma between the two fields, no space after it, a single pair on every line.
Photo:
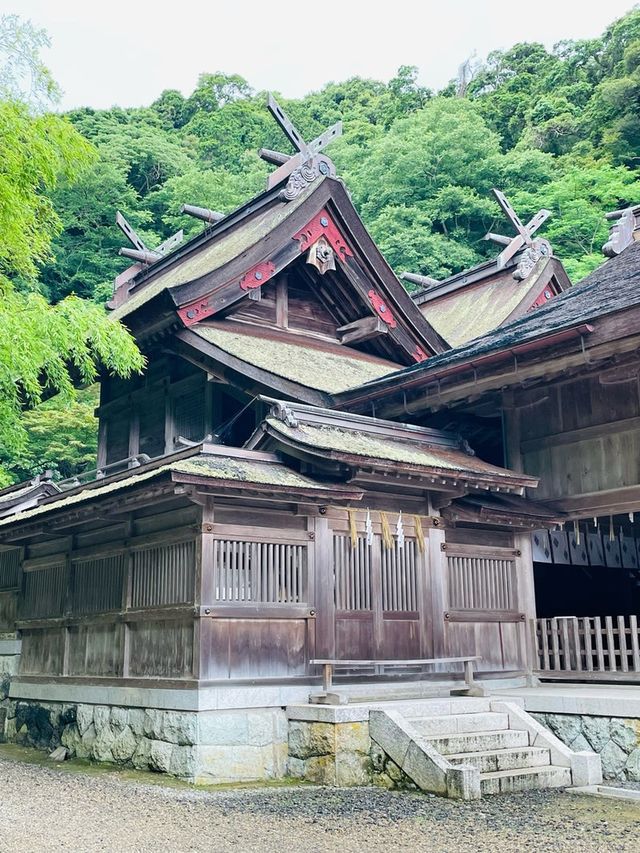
[307,164]
[524,236]
[141,252]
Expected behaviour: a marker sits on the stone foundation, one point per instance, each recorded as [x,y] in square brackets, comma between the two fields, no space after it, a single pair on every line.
[210,746]
[615,739]
[330,753]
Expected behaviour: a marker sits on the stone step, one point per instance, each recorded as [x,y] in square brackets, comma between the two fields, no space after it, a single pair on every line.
[525,779]
[442,707]
[504,759]
[453,744]
[458,723]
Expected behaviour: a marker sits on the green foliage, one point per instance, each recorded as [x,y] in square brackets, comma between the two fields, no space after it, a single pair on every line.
[36,153]
[44,348]
[60,435]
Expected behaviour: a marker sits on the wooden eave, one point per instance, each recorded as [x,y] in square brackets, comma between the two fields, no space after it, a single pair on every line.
[431,390]
[434,478]
[157,481]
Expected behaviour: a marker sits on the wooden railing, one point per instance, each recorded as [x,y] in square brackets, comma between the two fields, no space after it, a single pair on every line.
[587,647]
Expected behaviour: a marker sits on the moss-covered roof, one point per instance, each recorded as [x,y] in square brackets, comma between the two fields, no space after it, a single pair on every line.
[244,471]
[231,469]
[222,248]
[367,445]
[468,313]
[321,369]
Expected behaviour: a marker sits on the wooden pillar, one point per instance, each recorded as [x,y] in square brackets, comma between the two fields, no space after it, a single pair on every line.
[526,597]
[204,594]
[439,588]
[324,603]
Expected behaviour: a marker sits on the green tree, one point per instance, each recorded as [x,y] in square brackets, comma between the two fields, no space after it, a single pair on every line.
[44,349]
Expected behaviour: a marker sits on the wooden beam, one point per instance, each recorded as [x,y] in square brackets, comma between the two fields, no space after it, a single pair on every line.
[362,330]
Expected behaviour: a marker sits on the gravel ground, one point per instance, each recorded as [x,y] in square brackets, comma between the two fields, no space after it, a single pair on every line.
[50,808]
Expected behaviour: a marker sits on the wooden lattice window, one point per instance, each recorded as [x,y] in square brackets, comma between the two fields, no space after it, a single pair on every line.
[44,592]
[400,577]
[352,567]
[97,584]
[163,575]
[481,583]
[259,572]
[9,568]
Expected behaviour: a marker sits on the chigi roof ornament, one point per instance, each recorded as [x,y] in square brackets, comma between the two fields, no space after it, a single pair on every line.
[533,249]
[304,167]
[140,252]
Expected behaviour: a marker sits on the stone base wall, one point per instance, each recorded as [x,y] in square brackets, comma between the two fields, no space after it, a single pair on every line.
[330,753]
[615,739]
[211,746]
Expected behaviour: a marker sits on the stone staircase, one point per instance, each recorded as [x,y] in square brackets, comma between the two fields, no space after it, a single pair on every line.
[469,747]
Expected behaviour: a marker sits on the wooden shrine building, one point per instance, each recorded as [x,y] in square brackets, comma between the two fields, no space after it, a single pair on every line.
[555,395]
[307,470]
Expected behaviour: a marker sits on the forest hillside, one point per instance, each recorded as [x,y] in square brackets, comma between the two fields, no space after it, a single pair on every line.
[556,128]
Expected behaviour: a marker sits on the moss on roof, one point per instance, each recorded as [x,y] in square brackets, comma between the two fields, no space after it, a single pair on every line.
[222,248]
[468,313]
[309,366]
[357,443]
[231,469]
[243,470]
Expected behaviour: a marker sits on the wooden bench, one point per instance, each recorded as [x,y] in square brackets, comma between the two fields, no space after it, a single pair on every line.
[330,664]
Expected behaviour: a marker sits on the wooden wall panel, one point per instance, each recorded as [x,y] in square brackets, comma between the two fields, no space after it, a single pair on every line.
[8,611]
[355,637]
[269,648]
[95,649]
[42,651]
[161,649]
[401,639]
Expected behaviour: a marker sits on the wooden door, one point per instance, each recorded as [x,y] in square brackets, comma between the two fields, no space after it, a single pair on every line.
[380,602]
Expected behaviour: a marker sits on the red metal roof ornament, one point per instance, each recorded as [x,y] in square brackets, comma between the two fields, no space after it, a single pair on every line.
[257,276]
[382,309]
[322,225]
[202,308]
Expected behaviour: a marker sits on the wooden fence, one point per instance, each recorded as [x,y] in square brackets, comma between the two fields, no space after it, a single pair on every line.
[587,648]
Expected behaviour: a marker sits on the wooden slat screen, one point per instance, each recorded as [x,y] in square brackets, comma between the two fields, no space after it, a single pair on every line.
[163,575]
[481,583]
[189,415]
[44,592]
[264,572]
[9,568]
[97,584]
[117,438]
[400,578]
[152,416]
[352,567]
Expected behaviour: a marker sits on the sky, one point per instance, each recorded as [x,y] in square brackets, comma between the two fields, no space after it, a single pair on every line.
[126,53]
